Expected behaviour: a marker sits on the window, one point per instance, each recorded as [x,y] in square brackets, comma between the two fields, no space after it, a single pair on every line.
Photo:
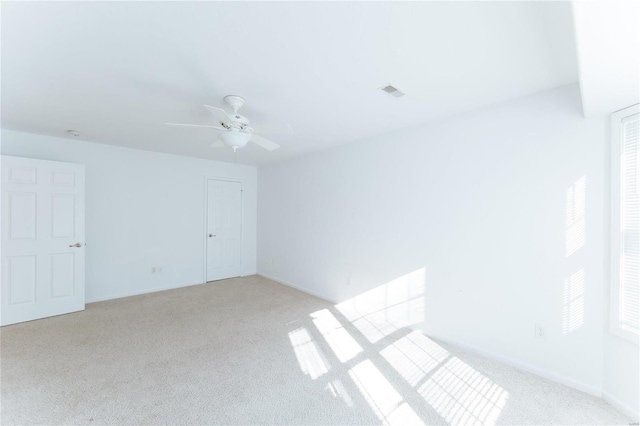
[625,308]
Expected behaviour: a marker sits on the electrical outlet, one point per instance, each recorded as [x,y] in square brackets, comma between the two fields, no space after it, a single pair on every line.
[539,332]
[154,269]
[349,278]
[273,261]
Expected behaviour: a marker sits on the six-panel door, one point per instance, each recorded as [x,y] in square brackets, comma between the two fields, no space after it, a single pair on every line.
[42,239]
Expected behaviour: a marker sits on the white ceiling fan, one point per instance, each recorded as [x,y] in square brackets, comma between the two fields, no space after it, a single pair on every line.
[234,128]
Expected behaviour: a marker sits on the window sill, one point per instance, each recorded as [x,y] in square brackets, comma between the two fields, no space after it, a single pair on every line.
[624,334]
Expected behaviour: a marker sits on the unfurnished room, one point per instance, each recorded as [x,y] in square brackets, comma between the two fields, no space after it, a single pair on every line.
[320,213]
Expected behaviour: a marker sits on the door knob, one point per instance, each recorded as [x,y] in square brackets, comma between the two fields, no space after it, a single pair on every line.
[76,245]
[212,235]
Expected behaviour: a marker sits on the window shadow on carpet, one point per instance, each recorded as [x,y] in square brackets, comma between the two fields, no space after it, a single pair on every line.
[363,353]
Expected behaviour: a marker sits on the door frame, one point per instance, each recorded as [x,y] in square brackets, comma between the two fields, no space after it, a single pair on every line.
[206,219]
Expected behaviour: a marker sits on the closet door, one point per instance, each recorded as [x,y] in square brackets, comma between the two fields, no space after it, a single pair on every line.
[224,229]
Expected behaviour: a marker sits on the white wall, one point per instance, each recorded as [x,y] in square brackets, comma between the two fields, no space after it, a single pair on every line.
[143,209]
[621,375]
[480,201]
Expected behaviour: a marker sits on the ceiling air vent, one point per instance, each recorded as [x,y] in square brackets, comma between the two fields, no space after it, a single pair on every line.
[392,91]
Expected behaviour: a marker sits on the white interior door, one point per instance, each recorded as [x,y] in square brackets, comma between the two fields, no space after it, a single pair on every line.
[224,229]
[42,239]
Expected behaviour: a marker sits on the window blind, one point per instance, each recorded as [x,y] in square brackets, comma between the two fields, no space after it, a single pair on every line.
[629,220]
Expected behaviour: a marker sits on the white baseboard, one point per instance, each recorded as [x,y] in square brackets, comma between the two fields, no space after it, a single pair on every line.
[151,290]
[137,292]
[586,388]
[297,287]
[621,406]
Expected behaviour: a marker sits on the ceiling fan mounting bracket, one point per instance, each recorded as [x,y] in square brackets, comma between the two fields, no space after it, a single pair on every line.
[235,102]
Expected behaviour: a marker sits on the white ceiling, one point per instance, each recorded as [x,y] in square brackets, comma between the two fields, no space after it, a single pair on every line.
[118,70]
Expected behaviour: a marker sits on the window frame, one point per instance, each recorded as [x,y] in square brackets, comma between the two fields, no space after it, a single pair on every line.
[616,239]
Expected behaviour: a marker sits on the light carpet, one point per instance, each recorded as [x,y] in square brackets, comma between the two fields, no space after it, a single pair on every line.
[252,351]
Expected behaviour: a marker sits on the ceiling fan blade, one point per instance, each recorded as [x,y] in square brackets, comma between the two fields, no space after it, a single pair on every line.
[217,144]
[273,129]
[264,143]
[220,115]
[194,125]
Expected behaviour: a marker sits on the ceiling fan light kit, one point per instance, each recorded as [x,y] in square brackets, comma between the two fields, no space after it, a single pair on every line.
[235,139]
[235,129]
